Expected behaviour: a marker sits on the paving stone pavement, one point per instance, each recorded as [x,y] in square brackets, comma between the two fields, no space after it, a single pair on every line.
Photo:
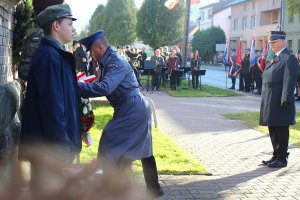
[229,149]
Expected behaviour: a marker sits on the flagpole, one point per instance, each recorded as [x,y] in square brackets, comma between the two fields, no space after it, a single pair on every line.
[186,32]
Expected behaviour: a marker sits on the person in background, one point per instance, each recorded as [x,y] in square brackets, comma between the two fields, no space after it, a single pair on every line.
[195,65]
[128,135]
[81,59]
[172,65]
[277,109]
[159,63]
[143,57]
[233,68]
[245,77]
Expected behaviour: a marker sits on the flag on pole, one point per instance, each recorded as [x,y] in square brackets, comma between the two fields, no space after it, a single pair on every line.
[225,58]
[270,55]
[252,52]
[170,4]
[239,54]
[262,63]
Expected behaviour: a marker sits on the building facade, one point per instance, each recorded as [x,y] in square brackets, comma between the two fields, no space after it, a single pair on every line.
[292,30]
[253,18]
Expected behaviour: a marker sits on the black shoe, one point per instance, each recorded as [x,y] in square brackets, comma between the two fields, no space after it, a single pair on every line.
[297,99]
[232,88]
[266,162]
[277,164]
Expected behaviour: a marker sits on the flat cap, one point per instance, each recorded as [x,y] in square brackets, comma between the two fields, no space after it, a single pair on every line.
[53,13]
[277,35]
[246,49]
[89,40]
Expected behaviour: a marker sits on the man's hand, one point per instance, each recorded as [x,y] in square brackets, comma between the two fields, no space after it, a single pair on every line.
[285,104]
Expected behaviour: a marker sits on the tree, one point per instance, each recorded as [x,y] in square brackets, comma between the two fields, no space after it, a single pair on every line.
[205,42]
[119,21]
[293,7]
[157,26]
[22,16]
[95,21]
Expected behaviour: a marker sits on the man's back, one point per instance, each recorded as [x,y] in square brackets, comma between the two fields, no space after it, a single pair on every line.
[30,45]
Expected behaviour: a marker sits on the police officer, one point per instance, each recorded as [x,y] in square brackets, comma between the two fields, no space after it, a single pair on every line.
[277,109]
[127,136]
[32,40]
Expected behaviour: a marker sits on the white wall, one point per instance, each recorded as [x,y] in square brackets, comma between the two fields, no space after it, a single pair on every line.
[223,20]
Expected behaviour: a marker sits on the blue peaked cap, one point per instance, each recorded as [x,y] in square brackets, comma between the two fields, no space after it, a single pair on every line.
[88,41]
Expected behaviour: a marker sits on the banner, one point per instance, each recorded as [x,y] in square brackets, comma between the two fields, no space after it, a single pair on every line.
[252,52]
[239,54]
[225,58]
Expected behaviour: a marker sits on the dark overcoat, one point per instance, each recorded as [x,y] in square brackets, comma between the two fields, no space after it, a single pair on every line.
[279,80]
[51,106]
[127,136]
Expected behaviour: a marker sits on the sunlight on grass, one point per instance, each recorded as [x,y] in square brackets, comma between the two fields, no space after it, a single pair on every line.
[170,158]
[252,120]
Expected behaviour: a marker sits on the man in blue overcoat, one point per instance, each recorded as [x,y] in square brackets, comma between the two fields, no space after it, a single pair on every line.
[127,136]
[277,109]
[51,107]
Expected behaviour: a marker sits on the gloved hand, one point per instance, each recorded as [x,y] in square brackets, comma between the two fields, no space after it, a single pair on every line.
[285,104]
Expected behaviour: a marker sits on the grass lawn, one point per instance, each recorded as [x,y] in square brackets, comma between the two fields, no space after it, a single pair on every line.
[170,158]
[252,119]
[185,91]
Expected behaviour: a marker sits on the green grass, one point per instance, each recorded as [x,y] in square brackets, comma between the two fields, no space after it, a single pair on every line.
[252,119]
[170,158]
[185,91]
[207,91]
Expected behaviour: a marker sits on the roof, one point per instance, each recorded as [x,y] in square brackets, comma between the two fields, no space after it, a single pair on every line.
[221,5]
[236,2]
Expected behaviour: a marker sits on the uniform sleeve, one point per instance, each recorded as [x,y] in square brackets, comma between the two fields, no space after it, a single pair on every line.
[51,102]
[289,79]
[112,79]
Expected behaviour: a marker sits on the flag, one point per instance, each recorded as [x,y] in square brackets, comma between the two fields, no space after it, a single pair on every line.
[270,55]
[239,55]
[170,4]
[262,63]
[195,1]
[225,58]
[252,52]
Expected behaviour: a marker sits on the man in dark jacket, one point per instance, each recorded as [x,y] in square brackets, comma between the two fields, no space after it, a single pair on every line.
[278,102]
[51,107]
[245,77]
[127,136]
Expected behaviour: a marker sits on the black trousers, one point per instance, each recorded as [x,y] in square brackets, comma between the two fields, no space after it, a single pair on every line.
[195,79]
[150,173]
[280,140]
[233,80]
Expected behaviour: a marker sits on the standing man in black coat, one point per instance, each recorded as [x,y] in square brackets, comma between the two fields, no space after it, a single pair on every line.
[277,109]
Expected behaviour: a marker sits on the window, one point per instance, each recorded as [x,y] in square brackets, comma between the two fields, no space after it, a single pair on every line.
[274,2]
[298,44]
[209,14]
[202,16]
[275,17]
[253,5]
[291,19]
[235,24]
[290,44]
[245,7]
[244,25]
[253,21]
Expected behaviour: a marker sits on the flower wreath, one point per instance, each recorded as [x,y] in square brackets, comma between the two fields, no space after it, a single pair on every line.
[87,120]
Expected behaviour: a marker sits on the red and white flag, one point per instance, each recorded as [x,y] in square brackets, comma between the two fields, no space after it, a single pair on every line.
[170,4]
[81,76]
